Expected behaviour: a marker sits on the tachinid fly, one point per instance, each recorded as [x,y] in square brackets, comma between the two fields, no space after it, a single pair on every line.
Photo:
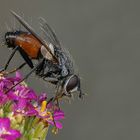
[54,65]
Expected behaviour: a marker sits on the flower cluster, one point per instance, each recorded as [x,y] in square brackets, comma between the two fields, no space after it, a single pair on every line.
[24,114]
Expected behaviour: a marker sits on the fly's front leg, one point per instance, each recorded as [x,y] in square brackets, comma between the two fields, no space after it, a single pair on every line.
[10,58]
[59,93]
[55,100]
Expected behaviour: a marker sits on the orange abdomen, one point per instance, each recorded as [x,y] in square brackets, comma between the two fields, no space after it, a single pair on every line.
[29,44]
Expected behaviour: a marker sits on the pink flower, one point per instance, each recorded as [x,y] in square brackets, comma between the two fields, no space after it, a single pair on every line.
[6,133]
[52,115]
[24,102]
[3,98]
[22,92]
[24,107]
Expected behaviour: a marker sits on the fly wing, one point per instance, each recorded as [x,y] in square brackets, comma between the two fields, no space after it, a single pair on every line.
[49,33]
[62,53]
[31,30]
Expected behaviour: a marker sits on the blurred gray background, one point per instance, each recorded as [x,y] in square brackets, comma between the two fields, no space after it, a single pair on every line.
[103,37]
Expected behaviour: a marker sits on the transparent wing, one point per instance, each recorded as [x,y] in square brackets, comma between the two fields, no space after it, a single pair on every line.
[50,36]
[49,33]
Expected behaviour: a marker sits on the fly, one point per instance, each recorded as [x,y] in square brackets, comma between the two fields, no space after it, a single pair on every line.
[53,65]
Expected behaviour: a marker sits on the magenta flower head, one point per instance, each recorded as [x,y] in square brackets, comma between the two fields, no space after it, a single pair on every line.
[6,133]
[24,114]
[58,115]
[3,98]
[51,114]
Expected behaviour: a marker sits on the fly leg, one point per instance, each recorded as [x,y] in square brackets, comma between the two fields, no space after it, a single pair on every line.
[26,76]
[53,81]
[57,103]
[23,54]
[55,99]
[26,57]
[58,95]
[10,58]
[16,69]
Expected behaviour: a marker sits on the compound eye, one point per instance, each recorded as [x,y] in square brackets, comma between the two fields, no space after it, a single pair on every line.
[72,83]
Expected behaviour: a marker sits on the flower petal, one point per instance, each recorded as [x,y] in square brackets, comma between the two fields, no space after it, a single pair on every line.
[4,123]
[58,124]
[58,115]
[15,133]
[18,75]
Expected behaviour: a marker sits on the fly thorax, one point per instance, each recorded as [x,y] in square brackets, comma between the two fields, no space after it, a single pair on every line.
[46,53]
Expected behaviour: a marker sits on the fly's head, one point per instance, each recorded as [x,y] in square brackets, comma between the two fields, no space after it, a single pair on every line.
[72,84]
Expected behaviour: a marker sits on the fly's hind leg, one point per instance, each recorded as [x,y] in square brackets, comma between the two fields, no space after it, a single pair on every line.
[16,69]
[25,57]
[25,77]
[10,58]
